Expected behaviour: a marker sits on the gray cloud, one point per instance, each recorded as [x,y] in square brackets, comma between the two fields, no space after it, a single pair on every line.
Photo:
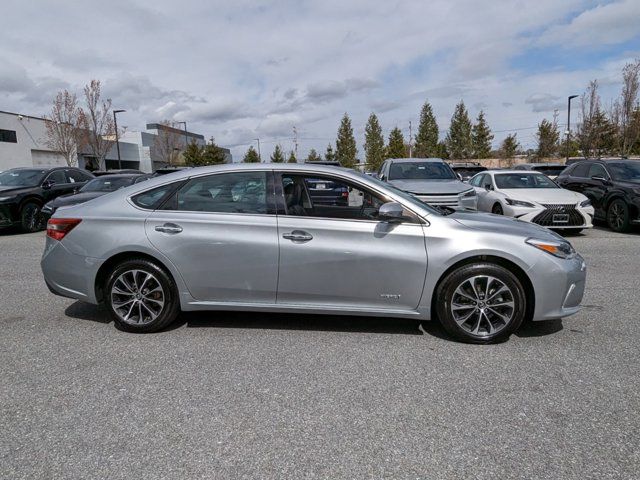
[544,102]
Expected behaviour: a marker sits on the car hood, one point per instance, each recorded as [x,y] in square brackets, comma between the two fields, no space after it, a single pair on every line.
[8,189]
[543,195]
[75,198]
[505,225]
[431,187]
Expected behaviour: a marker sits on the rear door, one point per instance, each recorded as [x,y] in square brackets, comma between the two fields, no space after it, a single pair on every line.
[342,255]
[220,231]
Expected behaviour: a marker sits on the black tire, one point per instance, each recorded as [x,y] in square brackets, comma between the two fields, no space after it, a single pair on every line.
[30,218]
[171,305]
[456,279]
[497,209]
[572,231]
[618,216]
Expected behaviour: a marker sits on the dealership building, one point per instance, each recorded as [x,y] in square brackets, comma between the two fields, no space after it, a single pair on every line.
[23,143]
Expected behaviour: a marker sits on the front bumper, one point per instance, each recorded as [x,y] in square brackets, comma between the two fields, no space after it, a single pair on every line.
[580,217]
[452,200]
[9,215]
[559,286]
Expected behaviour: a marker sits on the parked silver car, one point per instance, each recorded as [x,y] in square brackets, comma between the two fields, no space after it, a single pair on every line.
[250,237]
[432,180]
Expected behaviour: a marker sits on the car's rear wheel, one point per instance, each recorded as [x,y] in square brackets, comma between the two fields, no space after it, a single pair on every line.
[481,303]
[618,216]
[141,296]
[30,220]
[497,209]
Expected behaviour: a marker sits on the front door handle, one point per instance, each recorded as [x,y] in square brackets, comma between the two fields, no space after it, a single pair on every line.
[298,236]
[170,228]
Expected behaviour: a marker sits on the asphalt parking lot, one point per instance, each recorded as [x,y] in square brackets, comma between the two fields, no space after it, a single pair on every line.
[231,395]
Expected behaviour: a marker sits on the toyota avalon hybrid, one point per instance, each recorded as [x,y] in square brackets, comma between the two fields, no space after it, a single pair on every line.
[251,237]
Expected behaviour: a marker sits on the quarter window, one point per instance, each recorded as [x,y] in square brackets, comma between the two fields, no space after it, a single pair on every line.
[152,199]
[238,192]
[76,176]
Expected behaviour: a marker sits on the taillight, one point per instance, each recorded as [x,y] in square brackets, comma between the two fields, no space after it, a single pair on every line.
[57,228]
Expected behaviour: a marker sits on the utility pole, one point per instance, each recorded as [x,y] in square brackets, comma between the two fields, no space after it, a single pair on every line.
[295,141]
[115,123]
[556,112]
[185,134]
[571,97]
[410,141]
[259,156]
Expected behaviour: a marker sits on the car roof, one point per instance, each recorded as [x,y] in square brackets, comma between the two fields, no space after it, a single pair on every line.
[542,165]
[43,168]
[518,172]
[415,160]
[120,175]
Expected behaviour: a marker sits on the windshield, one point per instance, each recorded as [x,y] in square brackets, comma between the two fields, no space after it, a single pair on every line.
[21,178]
[550,170]
[401,193]
[523,180]
[421,171]
[111,184]
[625,171]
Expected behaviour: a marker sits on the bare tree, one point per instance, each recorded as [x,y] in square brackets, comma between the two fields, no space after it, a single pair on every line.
[596,133]
[626,105]
[98,121]
[64,127]
[168,143]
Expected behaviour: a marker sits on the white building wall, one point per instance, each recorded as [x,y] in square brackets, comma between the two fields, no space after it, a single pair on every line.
[31,148]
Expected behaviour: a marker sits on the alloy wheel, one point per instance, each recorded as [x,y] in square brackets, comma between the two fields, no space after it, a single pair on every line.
[31,215]
[482,305]
[616,215]
[137,297]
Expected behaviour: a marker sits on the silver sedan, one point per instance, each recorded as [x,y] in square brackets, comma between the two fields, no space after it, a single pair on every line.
[302,238]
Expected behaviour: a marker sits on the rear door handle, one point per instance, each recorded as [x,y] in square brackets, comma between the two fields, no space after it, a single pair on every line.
[298,236]
[170,228]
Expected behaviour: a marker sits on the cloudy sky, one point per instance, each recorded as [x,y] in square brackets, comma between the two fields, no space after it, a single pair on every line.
[240,70]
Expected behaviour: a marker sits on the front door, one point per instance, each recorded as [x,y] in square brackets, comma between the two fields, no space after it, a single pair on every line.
[338,254]
[220,231]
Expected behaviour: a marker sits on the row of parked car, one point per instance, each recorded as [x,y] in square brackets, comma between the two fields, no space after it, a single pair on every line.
[556,196]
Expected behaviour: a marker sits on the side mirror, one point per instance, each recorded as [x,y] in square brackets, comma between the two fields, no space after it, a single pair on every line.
[47,184]
[459,176]
[488,187]
[383,178]
[391,212]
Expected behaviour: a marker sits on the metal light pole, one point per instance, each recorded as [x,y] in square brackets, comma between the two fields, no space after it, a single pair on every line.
[571,97]
[259,156]
[115,123]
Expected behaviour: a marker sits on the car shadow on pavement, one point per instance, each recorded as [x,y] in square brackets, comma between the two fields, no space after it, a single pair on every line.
[290,321]
[539,329]
[87,311]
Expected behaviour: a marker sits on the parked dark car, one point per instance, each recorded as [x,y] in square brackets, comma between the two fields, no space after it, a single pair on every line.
[167,170]
[93,189]
[100,173]
[326,192]
[23,192]
[613,186]
[551,170]
[466,170]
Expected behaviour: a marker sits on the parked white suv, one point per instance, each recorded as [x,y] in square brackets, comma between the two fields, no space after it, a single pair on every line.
[431,180]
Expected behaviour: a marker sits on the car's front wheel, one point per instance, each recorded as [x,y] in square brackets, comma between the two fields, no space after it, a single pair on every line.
[497,209]
[481,303]
[141,296]
[618,216]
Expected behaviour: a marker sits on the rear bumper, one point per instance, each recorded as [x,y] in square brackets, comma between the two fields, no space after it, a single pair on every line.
[67,274]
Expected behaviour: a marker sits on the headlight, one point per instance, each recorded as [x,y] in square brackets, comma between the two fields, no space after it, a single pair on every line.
[519,203]
[469,193]
[585,203]
[557,249]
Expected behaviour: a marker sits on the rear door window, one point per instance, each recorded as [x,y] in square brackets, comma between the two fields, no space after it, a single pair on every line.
[581,170]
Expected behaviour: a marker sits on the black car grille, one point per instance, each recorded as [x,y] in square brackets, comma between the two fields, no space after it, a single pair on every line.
[546,218]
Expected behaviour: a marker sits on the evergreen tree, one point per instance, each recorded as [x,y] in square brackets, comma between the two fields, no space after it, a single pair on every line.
[251,156]
[346,149]
[396,149]
[292,158]
[509,147]
[330,155]
[459,143]
[277,156]
[481,137]
[313,156]
[373,144]
[441,150]
[212,154]
[192,155]
[427,137]
[548,137]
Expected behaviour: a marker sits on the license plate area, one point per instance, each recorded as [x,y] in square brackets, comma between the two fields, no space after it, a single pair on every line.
[560,218]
